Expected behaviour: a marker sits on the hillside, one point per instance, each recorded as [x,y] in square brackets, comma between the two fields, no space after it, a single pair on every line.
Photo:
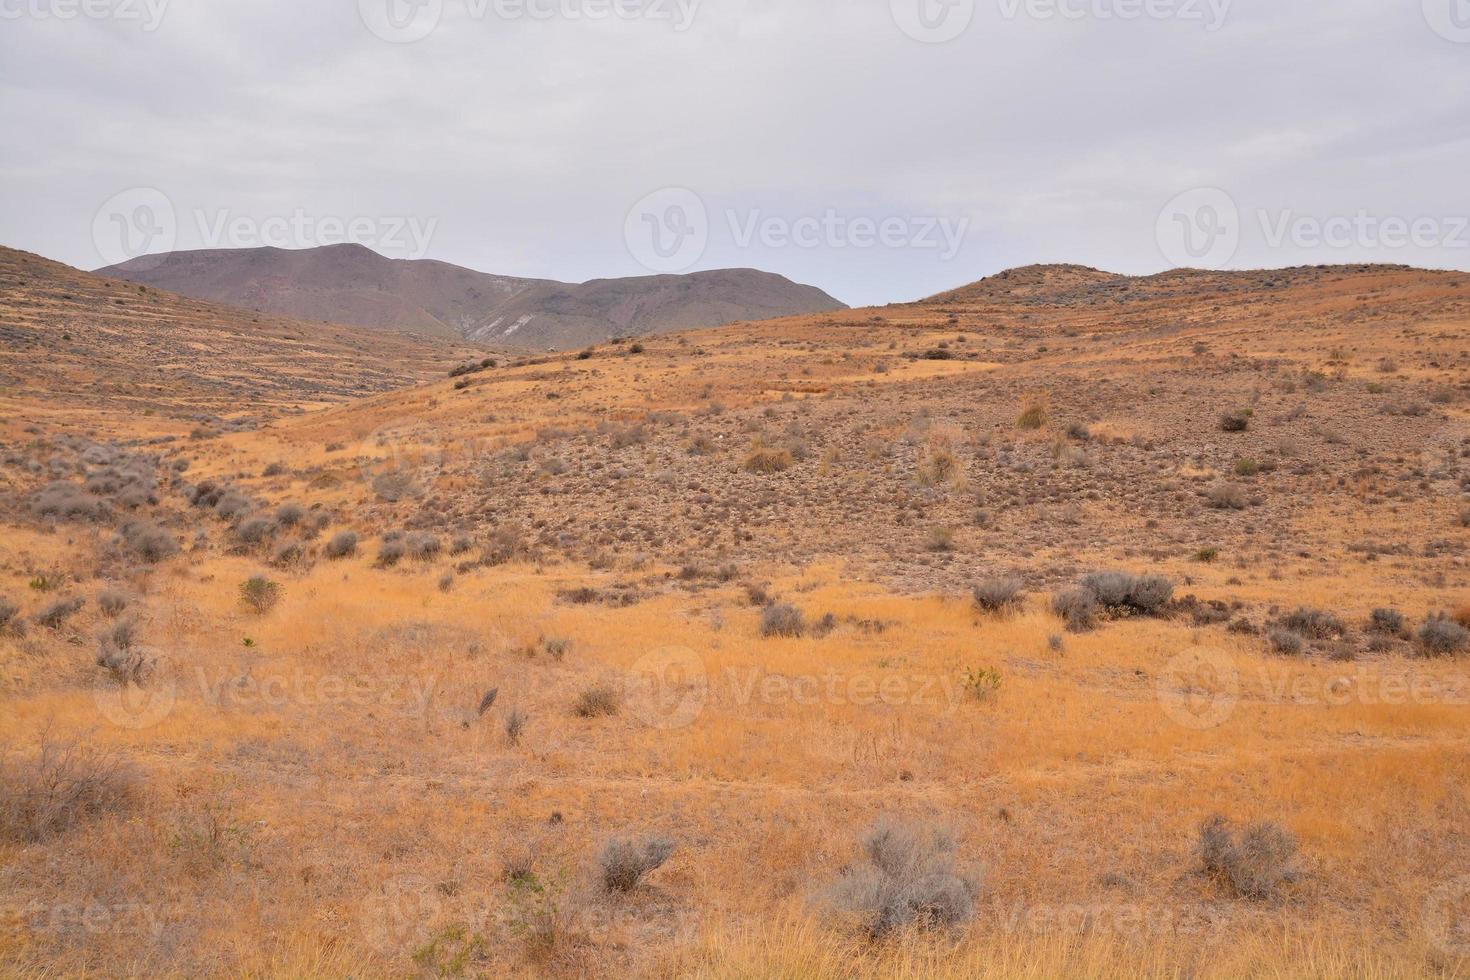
[683,658]
[353,285]
[77,346]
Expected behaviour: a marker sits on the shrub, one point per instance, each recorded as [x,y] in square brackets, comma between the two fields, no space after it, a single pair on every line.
[149,542]
[1386,621]
[55,615]
[1441,636]
[116,652]
[461,544]
[1224,495]
[259,594]
[779,619]
[625,862]
[8,613]
[1247,467]
[1077,607]
[253,530]
[390,552]
[998,594]
[60,788]
[289,515]
[288,553]
[1253,866]
[69,502]
[940,467]
[765,459]
[1314,623]
[1286,641]
[422,545]
[596,701]
[342,545]
[1124,592]
[515,725]
[908,880]
[1235,422]
[940,539]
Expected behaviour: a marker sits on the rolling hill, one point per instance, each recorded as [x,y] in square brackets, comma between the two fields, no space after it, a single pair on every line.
[354,285]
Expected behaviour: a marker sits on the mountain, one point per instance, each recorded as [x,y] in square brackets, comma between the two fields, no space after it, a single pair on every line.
[354,285]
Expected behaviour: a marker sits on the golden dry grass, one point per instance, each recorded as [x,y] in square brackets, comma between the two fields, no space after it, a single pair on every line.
[322,797]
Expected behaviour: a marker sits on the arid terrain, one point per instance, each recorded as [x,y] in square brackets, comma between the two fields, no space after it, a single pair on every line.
[920,640]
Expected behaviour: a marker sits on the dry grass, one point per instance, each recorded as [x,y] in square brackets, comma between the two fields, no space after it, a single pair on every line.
[320,795]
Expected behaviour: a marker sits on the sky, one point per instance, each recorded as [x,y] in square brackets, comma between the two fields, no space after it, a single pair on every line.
[883,150]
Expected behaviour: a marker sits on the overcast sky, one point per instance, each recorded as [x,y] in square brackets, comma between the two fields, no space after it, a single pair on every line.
[880,149]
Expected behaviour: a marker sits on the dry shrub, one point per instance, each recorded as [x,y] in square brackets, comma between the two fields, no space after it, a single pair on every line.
[259,594]
[391,552]
[1441,636]
[1226,496]
[779,619]
[766,459]
[1235,422]
[1077,607]
[149,542]
[1389,621]
[624,862]
[9,614]
[998,595]
[61,787]
[69,502]
[1255,865]
[422,546]
[1314,623]
[908,880]
[1123,592]
[342,545]
[55,615]
[596,701]
[939,539]
[1285,641]
[289,514]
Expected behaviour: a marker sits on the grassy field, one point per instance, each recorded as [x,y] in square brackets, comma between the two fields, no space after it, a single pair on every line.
[722,589]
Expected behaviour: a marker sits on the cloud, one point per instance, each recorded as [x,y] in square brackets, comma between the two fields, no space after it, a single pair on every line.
[1055,129]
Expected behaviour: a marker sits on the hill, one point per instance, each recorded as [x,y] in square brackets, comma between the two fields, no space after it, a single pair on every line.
[76,346]
[701,656]
[354,285]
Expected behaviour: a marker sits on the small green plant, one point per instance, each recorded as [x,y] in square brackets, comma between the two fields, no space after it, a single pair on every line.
[981,683]
[450,952]
[1247,467]
[1207,555]
[259,594]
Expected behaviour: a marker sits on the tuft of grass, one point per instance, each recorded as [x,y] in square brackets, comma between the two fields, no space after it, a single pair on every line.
[766,460]
[1032,418]
[598,701]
